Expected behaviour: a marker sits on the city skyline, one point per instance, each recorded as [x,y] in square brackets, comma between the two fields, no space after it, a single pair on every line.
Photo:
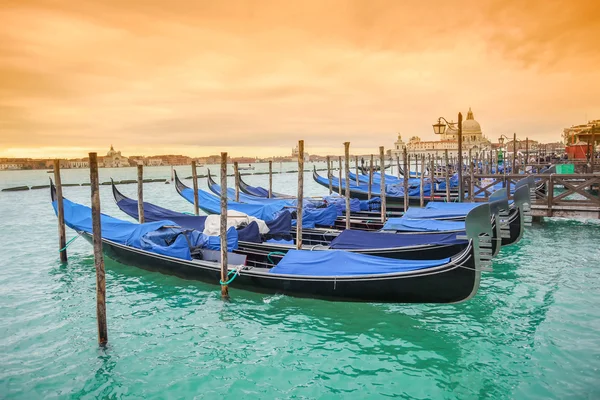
[253,77]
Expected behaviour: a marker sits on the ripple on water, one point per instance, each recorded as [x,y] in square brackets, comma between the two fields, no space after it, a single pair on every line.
[531,331]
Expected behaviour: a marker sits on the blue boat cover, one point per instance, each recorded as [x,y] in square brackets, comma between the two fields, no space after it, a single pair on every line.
[280,241]
[311,217]
[422,225]
[162,237]
[343,263]
[440,210]
[370,205]
[340,204]
[248,199]
[281,225]
[155,213]
[250,233]
[212,205]
[355,239]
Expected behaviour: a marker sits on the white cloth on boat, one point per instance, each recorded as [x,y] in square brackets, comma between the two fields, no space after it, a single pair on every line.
[235,219]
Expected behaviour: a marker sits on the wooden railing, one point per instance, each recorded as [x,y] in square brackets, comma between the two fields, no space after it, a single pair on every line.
[579,198]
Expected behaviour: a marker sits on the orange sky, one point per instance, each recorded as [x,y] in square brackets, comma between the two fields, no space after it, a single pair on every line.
[197,77]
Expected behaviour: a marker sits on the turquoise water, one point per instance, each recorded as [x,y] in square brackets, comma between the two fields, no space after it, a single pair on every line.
[531,331]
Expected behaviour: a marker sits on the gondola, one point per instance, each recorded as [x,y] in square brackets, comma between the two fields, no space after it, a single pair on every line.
[392,202]
[258,191]
[410,247]
[335,275]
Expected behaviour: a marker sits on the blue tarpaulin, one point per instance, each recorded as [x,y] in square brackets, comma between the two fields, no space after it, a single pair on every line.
[343,263]
[312,217]
[354,239]
[153,236]
[422,225]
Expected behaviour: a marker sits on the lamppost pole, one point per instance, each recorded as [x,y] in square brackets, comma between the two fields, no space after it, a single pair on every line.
[514,153]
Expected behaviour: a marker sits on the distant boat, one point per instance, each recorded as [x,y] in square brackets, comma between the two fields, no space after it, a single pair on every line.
[50,171]
[248,168]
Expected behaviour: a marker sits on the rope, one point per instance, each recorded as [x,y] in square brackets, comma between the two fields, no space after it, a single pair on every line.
[235,273]
[272,254]
[68,243]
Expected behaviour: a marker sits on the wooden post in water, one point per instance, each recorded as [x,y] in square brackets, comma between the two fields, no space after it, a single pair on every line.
[382,183]
[471,177]
[347,170]
[432,172]
[140,176]
[195,186]
[236,172]
[340,175]
[270,178]
[422,195]
[300,196]
[398,164]
[406,158]
[62,235]
[223,227]
[447,175]
[356,170]
[98,257]
[329,176]
[172,174]
[514,153]
[370,177]
[526,155]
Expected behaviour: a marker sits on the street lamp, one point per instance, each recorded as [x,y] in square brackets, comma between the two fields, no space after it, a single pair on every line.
[439,129]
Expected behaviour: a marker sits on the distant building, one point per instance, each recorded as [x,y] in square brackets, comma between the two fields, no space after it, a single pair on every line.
[79,163]
[114,159]
[295,151]
[582,133]
[472,138]
[11,165]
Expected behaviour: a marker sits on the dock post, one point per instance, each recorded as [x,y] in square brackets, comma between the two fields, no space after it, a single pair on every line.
[471,179]
[62,235]
[370,178]
[382,183]
[526,154]
[329,176]
[432,172]
[98,257]
[300,196]
[514,154]
[347,170]
[406,158]
[140,176]
[447,176]
[270,178]
[356,170]
[172,174]
[398,164]
[195,185]
[340,175]
[422,195]
[237,181]
[223,227]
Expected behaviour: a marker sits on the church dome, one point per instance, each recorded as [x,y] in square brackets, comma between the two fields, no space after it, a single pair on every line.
[470,126]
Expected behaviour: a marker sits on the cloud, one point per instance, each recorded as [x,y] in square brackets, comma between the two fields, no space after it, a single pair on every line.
[255,76]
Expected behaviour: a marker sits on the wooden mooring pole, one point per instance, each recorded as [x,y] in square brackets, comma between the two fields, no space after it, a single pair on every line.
[172,174]
[195,186]
[237,181]
[340,175]
[432,187]
[355,170]
[271,179]
[422,188]
[329,176]
[370,178]
[447,175]
[140,179]
[347,170]
[223,227]
[406,158]
[398,164]
[62,235]
[98,257]
[382,183]
[300,196]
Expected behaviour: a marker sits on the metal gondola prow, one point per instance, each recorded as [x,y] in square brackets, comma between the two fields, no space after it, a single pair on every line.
[500,211]
[478,227]
[523,203]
